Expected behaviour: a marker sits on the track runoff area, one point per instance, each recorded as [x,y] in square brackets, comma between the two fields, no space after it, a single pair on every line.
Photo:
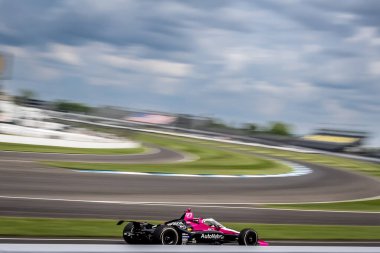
[272,190]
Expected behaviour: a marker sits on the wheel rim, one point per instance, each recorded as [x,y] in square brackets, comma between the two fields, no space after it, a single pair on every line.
[169,237]
[128,231]
[128,234]
[250,238]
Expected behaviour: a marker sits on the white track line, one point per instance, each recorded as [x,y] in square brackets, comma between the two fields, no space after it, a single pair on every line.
[121,240]
[215,203]
[178,204]
[17,161]
[297,170]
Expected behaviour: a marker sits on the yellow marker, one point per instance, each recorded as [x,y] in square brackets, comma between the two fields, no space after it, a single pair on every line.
[330,138]
[2,64]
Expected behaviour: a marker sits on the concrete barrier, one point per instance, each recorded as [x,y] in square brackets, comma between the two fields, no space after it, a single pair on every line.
[35,136]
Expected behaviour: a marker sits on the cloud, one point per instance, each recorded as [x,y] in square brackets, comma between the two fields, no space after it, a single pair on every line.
[302,62]
[46,73]
[80,22]
[367,35]
[154,66]
[374,68]
[339,113]
[65,54]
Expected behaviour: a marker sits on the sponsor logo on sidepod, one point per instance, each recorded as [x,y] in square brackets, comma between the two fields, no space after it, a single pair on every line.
[178,224]
[212,236]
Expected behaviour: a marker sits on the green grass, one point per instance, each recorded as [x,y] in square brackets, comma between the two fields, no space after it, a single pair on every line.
[367,205]
[64,150]
[371,169]
[368,168]
[212,160]
[59,227]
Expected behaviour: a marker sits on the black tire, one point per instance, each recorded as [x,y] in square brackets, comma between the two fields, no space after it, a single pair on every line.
[166,235]
[248,237]
[127,231]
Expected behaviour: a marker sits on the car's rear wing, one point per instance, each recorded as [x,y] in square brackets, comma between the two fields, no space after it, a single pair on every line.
[135,223]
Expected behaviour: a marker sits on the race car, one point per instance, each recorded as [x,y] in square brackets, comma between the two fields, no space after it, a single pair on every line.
[187,230]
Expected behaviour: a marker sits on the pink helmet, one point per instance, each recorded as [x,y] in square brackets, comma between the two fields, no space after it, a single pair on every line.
[188,215]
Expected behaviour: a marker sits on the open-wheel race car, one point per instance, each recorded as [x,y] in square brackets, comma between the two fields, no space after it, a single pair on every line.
[187,230]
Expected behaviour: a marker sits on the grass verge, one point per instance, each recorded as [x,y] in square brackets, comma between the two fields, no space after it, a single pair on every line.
[367,205]
[59,227]
[212,160]
[371,169]
[64,150]
[368,168]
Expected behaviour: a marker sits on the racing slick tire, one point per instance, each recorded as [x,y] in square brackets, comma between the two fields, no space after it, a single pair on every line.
[127,231]
[166,235]
[247,237]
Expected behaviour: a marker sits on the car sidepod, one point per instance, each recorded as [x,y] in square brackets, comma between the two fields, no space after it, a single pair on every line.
[208,237]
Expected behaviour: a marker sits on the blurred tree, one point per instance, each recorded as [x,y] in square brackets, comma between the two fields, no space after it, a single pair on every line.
[279,128]
[24,95]
[218,124]
[28,94]
[66,106]
[250,128]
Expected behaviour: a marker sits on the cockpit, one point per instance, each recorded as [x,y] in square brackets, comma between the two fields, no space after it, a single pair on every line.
[212,222]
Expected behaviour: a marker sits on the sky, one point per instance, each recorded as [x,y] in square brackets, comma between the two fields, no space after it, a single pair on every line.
[309,63]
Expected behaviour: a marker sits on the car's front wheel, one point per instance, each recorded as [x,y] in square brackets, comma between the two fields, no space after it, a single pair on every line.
[166,235]
[247,237]
[128,234]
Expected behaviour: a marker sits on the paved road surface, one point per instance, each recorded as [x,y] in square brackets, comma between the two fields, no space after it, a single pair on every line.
[120,241]
[99,248]
[22,177]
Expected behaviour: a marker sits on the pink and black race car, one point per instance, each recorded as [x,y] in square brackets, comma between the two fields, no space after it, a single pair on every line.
[187,230]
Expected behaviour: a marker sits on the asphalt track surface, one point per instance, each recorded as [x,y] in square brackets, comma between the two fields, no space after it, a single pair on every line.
[120,241]
[99,248]
[51,192]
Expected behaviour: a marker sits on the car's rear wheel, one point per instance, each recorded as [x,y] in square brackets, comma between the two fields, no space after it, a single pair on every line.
[166,235]
[128,234]
[247,237]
